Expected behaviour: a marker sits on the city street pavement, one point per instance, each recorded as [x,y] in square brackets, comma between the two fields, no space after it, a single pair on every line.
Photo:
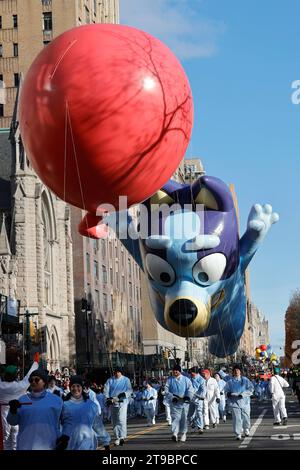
[263,434]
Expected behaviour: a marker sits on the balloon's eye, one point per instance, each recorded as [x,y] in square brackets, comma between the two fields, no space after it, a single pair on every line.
[209,269]
[160,270]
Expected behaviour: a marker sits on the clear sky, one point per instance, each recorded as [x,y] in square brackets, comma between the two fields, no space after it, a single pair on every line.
[241,58]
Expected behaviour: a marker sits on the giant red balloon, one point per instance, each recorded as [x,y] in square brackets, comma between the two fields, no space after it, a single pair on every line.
[105,110]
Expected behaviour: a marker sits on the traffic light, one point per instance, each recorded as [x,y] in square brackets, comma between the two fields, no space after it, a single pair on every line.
[166,354]
[33,332]
[31,329]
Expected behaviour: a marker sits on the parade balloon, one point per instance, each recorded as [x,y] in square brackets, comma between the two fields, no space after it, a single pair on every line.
[91,227]
[258,351]
[194,261]
[105,110]
[263,347]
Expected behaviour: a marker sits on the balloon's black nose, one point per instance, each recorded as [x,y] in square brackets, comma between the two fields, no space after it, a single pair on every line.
[183,312]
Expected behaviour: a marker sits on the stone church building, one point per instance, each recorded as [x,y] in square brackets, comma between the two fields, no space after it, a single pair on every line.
[36,265]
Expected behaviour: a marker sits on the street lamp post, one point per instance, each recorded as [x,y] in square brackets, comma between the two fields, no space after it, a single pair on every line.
[86,308]
[27,341]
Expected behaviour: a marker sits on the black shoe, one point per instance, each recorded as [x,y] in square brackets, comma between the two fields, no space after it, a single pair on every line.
[284,421]
[174,438]
[122,442]
[277,423]
[214,425]
[200,431]
[106,448]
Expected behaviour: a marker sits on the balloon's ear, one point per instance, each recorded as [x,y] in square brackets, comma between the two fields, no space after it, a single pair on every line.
[159,198]
[91,227]
[213,193]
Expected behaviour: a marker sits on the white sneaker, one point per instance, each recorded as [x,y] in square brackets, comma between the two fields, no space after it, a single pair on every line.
[117,442]
[183,437]
[238,437]
[169,422]
[224,419]
[153,421]
[247,432]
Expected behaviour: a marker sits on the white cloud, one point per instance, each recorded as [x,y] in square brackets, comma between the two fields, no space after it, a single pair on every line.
[178,23]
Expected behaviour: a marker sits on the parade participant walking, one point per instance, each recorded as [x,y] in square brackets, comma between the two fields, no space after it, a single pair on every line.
[221,414]
[195,413]
[179,390]
[276,386]
[149,398]
[212,399]
[137,397]
[11,389]
[117,390]
[101,400]
[166,403]
[90,393]
[82,426]
[239,390]
[53,388]
[39,421]
[157,386]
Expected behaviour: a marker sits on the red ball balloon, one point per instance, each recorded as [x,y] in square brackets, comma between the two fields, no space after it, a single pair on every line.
[263,347]
[91,227]
[105,110]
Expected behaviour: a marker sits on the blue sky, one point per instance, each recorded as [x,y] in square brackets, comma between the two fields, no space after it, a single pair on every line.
[241,58]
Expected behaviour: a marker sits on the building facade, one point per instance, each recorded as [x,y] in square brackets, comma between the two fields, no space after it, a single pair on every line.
[193,169]
[36,244]
[26,26]
[109,278]
[259,328]
[35,257]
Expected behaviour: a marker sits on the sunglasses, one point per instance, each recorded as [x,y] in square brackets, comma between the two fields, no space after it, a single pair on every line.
[35,380]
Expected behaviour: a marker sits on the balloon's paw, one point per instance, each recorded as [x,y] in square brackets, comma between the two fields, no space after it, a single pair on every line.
[261,218]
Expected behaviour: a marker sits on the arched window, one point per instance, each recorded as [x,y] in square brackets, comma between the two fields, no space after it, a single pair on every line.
[48,258]
[54,349]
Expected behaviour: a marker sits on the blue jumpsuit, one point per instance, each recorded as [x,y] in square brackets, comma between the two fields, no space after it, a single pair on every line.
[239,405]
[112,388]
[39,422]
[182,387]
[196,406]
[82,422]
[149,398]
[222,404]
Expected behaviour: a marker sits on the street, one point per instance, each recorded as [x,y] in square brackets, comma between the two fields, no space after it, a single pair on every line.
[263,434]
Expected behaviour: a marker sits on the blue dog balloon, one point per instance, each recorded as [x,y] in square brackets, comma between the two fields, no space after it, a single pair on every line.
[188,245]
